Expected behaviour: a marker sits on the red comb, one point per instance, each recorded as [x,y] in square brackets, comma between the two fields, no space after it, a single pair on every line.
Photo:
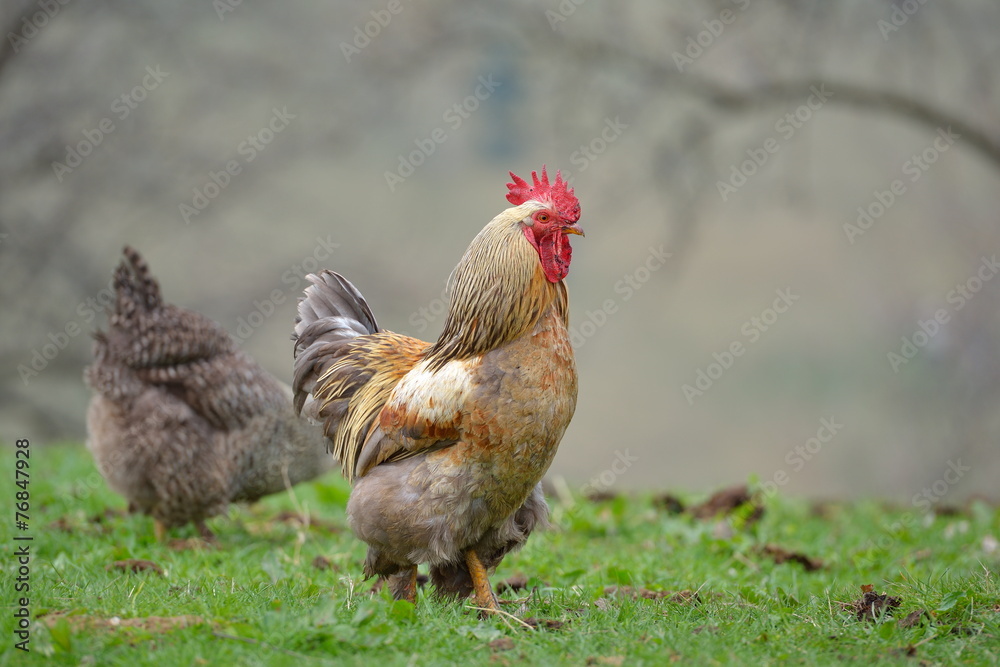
[559,193]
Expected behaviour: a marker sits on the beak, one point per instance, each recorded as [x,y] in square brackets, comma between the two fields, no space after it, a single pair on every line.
[574,229]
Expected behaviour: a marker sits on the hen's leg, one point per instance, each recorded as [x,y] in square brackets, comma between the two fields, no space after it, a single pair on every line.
[159,530]
[403,584]
[203,530]
[481,584]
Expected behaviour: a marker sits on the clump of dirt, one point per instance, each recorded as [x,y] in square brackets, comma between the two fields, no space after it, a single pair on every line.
[62,524]
[678,597]
[135,565]
[108,513]
[871,605]
[781,555]
[502,644]
[735,500]
[546,623]
[518,582]
[951,510]
[613,660]
[601,496]
[191,544]
[323,563]
[66,525]
[826,509]
[157,624]
[914,619]
[669,503]
[296,519]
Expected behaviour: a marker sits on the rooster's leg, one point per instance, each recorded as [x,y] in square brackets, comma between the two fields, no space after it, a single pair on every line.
[404,584]
[485,599]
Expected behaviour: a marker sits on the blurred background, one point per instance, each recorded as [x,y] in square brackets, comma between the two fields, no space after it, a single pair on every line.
[791,209]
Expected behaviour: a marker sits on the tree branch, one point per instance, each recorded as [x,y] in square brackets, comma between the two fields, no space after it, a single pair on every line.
[730,98]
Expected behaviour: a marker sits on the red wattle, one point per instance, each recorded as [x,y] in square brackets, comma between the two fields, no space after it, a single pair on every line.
[554,252]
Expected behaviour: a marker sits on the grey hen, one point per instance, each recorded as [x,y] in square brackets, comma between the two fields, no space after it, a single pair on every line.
[182,422]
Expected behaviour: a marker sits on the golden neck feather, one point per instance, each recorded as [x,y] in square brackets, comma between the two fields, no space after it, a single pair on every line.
[498,291]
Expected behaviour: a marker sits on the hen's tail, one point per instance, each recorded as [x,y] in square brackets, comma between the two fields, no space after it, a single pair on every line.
[136,290]
[137,299]
[331,313]
[145,332]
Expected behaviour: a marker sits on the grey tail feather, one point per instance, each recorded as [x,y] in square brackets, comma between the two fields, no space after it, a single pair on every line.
[331,312]
[333,297]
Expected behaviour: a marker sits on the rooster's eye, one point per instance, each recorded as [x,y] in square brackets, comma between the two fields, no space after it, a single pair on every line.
[542,217]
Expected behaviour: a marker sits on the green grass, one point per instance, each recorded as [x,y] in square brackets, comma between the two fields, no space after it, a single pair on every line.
[259,599]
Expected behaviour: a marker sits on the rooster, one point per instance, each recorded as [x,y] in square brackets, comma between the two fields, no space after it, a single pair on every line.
[181,421]
[446,443]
